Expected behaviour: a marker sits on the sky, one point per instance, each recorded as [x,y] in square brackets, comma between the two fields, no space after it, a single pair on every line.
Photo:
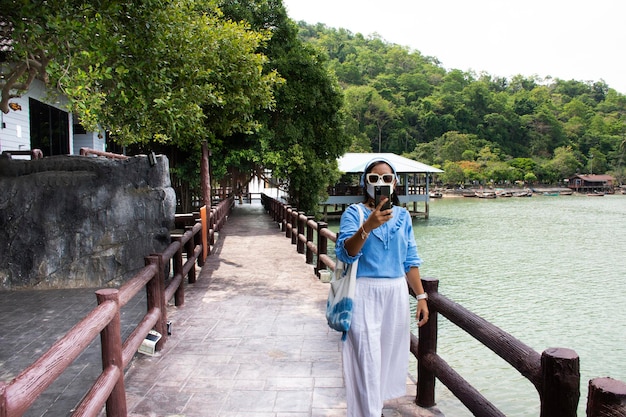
[583,40]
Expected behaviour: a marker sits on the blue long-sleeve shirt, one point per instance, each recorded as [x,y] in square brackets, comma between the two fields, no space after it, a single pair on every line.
[389,251]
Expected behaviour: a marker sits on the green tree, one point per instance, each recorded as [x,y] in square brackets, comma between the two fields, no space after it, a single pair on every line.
[302,135]
[174,72]
[524,165]
[210,88]
[524,117]
[453,145]
[371,113]
[563,165]
[47,37]
[545,131]
[530,178]
[596,161]
[452,173]
[500,172]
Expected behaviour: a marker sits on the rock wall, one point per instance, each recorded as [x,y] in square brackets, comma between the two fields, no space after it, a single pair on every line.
[81,222]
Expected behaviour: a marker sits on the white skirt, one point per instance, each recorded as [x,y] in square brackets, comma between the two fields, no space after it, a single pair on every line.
[376,351]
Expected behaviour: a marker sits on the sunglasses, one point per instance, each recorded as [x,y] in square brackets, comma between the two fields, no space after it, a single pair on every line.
[375,178]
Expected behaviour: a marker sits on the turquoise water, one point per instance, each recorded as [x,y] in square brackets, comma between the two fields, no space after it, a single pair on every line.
[550,271]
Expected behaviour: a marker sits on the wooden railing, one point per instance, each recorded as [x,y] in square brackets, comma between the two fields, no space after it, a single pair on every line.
[554,373]
[33,153]
[89,151]
[20,393]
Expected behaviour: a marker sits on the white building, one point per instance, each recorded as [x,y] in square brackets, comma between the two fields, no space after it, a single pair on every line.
[413,186]
[40,120]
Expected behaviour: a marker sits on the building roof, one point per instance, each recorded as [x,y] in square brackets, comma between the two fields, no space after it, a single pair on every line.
[594,178]
[355,163]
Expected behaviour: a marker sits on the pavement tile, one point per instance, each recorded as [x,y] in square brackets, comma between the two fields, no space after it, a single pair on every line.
[293,401]
[328,382]
[289,383]
[252,400]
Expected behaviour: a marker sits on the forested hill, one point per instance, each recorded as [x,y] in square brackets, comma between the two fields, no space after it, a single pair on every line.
[474,126]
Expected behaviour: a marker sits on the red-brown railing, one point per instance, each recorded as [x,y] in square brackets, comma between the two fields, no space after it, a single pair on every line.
[89,151]
[20,393]
[33,153]
[554,373]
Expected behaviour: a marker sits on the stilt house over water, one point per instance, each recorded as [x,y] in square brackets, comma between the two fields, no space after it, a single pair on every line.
[592,183]
[412,189]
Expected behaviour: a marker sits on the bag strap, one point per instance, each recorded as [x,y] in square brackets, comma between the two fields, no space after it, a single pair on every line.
[355,265]
[361,215]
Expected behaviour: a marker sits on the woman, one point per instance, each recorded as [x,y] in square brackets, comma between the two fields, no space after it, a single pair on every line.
[376,351]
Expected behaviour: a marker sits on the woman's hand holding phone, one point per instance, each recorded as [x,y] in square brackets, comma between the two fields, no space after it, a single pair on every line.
[381,192]
[380,214]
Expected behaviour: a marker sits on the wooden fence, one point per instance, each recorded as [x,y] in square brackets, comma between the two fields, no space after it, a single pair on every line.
[193,243]
[554,373]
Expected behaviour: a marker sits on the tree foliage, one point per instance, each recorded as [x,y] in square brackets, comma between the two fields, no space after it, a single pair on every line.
[302,136]
[172,74]
[269,94]
[450,118]
[169,71]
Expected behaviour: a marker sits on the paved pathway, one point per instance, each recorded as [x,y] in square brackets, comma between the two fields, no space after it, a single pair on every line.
[250,341]
[32,321]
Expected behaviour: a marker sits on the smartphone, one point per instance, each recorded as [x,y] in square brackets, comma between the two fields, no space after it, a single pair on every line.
[381,191]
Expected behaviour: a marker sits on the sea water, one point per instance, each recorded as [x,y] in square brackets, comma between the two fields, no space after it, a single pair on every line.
[549,270]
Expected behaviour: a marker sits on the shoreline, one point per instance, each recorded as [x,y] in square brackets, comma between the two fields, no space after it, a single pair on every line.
[507,191]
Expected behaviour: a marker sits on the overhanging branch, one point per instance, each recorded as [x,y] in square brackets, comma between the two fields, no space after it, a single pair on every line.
[32,67]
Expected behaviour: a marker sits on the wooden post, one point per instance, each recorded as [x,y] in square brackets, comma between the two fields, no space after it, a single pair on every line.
[560,385]
[309,238]
[191,277]
[155,294]
[287,222]
[203,239]
[283,217]
[213,226]
[322,247]
[427,347]
[179,295]
[275,210]
[607,398]
[294,226]
[205,176]
[300,219]
[111,340]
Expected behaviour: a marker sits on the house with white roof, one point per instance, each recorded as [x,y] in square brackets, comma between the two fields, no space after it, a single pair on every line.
[412,189]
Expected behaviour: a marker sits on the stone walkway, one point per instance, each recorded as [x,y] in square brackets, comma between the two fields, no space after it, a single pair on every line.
[250,341]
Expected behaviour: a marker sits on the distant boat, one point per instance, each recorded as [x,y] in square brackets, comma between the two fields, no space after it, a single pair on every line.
[435,194]
[595,194]
[525,193]
[566,192]
[551,194]
[486,194]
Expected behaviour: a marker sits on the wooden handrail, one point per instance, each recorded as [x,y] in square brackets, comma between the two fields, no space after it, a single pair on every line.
[24,389]
[554,373]
[21,392]
[33,153]
[89,151]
